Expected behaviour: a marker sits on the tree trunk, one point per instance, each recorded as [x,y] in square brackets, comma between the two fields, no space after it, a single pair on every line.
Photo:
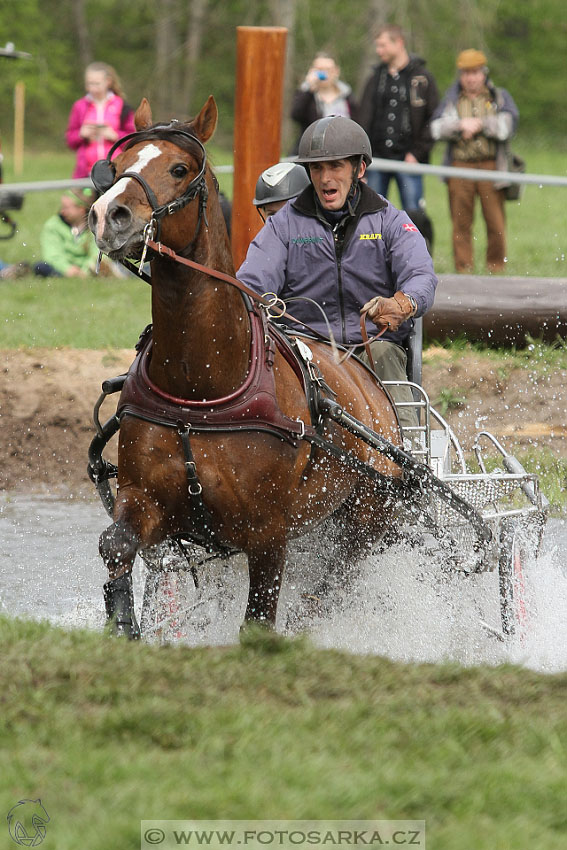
[82,32]
[166,51]
[197,13]
[378,14]
[283,14]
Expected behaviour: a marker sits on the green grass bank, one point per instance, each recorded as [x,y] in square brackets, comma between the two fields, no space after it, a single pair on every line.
[108,733]
[536,223]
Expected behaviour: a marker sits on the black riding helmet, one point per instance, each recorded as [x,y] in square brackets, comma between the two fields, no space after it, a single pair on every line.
[280,183]
[335,137]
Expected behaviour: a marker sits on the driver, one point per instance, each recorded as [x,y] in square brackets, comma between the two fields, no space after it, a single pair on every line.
[343,246]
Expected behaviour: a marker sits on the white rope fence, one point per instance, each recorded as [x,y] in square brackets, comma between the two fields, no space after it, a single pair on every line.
[377,165]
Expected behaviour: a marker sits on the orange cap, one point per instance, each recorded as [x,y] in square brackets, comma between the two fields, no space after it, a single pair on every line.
[470,59]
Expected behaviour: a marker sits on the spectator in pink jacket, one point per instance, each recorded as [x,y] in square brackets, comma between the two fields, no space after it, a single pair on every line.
[100,118]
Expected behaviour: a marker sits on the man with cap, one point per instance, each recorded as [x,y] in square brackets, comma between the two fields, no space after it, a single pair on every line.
[277,185]
[339,249]
[477,120]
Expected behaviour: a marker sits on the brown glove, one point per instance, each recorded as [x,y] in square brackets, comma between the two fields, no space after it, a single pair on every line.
[390,312]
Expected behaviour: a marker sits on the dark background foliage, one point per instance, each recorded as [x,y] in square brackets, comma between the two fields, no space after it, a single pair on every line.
[177,52]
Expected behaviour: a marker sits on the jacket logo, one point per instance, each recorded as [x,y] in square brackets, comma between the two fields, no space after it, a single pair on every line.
[370,236]
[306,240]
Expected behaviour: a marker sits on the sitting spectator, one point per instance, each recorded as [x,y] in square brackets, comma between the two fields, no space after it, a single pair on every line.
[12,271]
[68,248]
[322,93]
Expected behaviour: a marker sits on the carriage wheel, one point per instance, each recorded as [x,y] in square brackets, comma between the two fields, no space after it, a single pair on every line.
[512,561]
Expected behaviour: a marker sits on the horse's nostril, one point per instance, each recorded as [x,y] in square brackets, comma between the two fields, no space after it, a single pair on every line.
[120,217]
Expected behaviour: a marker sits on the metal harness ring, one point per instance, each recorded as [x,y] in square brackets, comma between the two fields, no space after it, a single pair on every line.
[275,308]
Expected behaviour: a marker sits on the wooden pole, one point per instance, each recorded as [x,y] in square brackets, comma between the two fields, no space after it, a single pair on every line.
[19,111]
[260,65]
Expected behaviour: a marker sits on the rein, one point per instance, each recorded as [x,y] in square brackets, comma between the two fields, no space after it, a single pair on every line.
[275,307]
[103,176]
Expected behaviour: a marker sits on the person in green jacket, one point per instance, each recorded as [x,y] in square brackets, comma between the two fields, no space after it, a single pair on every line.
[68,248]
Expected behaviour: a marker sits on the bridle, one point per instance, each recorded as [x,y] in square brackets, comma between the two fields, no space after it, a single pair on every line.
[103,176]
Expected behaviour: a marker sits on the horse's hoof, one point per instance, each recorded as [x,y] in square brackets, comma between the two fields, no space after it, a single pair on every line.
[119,602]
[128,629]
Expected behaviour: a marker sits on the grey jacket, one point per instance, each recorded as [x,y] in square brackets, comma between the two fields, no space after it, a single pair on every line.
[501,126]
[297,256]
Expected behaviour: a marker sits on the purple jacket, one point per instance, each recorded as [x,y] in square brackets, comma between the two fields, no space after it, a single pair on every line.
[295,256]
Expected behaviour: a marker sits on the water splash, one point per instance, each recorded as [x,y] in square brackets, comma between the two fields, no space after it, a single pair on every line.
[402,605]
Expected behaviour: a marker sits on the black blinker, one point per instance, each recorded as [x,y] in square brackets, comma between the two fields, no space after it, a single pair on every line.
[103,174]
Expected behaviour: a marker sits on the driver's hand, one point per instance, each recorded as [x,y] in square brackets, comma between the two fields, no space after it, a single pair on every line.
[389,312]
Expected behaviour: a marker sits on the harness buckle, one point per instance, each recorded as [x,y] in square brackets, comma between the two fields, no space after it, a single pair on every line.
[195,489]
[301,434]
[149,233]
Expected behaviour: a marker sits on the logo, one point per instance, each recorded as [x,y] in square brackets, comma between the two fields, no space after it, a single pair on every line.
[26,822]
[306,240]
[370,236]
[409,226]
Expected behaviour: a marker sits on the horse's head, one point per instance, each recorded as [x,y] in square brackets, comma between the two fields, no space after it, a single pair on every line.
[160,171]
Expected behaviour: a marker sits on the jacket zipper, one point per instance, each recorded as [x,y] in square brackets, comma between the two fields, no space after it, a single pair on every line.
[339,238]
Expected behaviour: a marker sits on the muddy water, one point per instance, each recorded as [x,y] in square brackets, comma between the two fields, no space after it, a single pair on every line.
[400,606]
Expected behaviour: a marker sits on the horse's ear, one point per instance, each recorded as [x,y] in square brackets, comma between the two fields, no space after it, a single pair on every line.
[204,125]
[143,115]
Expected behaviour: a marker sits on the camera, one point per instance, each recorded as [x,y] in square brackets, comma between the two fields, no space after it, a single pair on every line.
[10,200]
[321,75]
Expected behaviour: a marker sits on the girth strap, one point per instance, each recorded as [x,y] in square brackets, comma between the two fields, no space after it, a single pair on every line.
[201,514]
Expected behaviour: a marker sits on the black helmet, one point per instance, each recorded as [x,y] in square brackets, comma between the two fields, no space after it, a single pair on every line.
[334,137]
[280,183]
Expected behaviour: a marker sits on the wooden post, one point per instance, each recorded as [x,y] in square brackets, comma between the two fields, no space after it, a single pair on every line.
[19,112]
[260,65]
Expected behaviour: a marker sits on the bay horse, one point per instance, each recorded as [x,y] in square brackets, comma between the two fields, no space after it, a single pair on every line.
[253,488]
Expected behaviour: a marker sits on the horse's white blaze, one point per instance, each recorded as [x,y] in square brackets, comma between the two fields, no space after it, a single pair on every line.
[144,157]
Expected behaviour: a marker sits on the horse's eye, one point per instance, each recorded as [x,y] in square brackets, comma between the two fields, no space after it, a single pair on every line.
[178,171]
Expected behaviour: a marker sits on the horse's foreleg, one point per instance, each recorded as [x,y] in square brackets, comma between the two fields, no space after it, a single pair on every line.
[118,546]
[265,569]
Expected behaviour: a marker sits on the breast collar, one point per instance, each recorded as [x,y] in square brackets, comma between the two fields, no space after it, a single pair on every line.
[252,407]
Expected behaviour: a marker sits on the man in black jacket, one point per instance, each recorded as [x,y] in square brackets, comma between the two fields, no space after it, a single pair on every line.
[396,107]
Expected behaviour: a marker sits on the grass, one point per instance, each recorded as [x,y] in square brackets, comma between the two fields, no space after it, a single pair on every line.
[275,729]
[535,224]
[538,356]
[71,312]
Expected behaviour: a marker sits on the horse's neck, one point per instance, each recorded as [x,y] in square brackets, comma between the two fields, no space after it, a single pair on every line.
[201,329]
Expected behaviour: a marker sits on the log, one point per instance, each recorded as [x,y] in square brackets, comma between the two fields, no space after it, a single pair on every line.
[498,310]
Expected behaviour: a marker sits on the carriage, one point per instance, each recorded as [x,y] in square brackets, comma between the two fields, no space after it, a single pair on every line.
[236,435]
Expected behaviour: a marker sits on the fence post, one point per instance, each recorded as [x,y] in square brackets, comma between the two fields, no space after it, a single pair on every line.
[19,113]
